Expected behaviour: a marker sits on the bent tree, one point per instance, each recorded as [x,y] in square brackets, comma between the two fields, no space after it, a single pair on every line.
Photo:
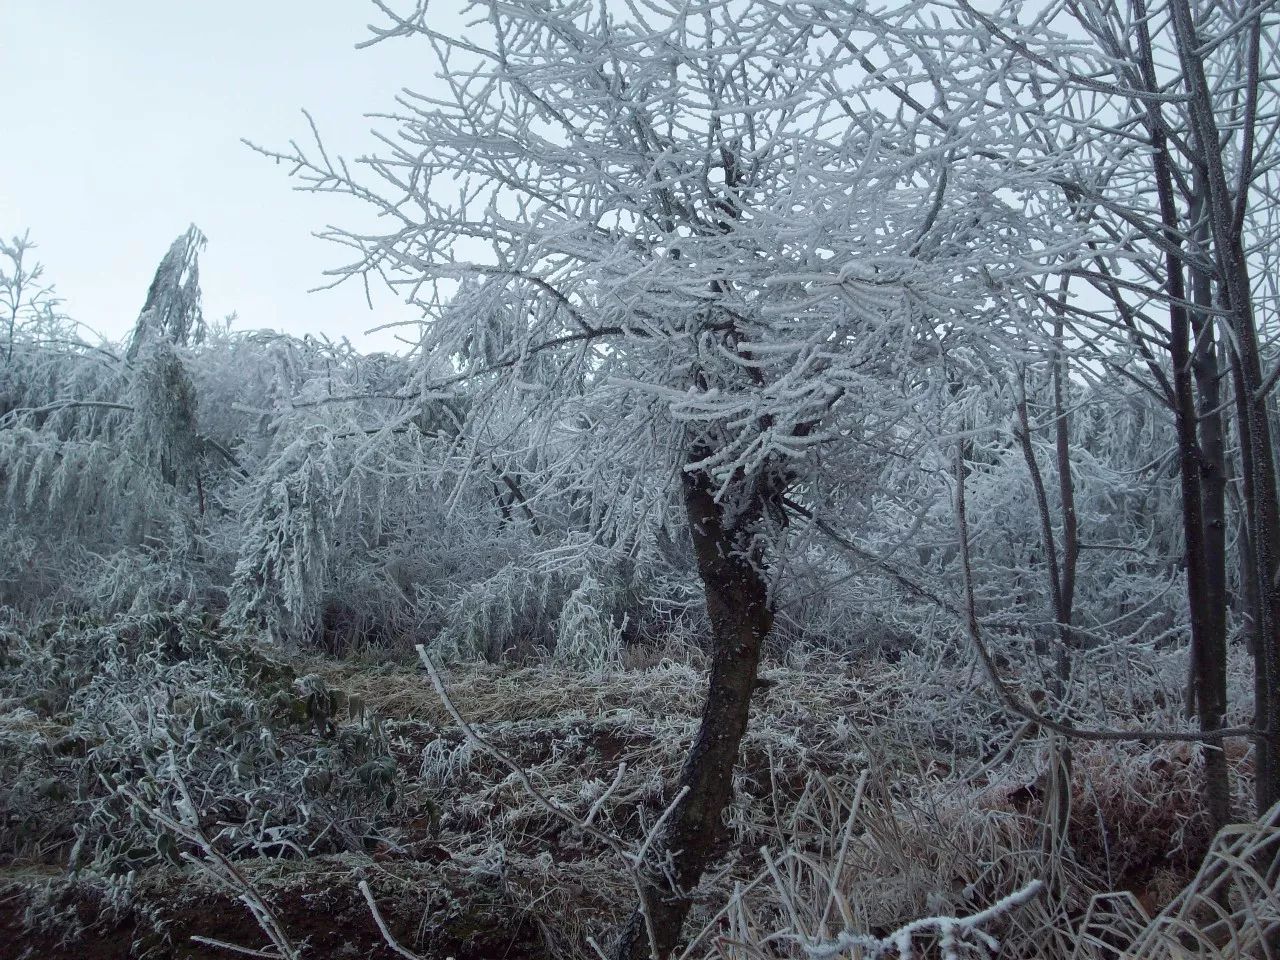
[686,263]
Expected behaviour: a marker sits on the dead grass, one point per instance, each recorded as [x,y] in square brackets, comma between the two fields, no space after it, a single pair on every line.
[929,836]
[870,795]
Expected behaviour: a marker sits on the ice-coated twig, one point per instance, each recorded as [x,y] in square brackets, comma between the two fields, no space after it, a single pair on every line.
[548,804]
[215,865]
[390,939]
[951,932]
[608,792]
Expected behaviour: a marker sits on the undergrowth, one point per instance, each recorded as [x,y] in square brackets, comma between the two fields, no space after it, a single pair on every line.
[876,804]
[100,721]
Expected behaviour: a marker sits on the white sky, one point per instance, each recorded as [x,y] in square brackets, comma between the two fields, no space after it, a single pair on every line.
[120,123]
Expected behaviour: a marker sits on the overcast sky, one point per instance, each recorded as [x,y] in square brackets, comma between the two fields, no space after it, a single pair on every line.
[122,124]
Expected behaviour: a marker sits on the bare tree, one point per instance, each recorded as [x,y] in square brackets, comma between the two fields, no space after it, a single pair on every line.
[1174,97]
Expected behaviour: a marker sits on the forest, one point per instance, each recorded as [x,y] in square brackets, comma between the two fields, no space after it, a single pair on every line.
[825,508]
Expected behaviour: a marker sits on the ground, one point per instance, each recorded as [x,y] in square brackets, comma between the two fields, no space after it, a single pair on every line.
[883,789]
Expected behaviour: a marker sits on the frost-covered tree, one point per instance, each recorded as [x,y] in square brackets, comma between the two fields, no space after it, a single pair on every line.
[165,421]
[101,452]
[173,310]
[1152,118]
[284,563]
[25,299]
[699,276]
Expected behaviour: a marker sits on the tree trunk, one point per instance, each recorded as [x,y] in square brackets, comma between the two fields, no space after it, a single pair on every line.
[737,599]
[1206,592]
[1246,600]
[1070,557]
[1200,598]
[1066,485]
[1255,426]
[1210,668]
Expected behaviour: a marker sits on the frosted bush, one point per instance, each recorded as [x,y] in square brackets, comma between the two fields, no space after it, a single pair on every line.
[587,632]
[509,612]
[101,723]
[288,526]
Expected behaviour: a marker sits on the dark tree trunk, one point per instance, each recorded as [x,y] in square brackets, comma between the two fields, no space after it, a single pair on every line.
[1190,464]
[1245,602]
[1206,594]
[1258,455]
[737,598]
[1210,668]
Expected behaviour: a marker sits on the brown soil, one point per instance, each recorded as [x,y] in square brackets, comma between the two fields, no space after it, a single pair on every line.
[326,926]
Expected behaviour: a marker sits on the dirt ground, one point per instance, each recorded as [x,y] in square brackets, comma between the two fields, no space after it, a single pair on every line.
[332,925]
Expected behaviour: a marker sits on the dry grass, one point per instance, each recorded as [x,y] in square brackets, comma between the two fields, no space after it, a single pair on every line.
[879,808]
[937,830]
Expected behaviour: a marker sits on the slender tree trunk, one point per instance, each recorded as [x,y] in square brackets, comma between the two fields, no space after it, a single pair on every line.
[1255,426]
[1265,541]
[1200,597]
[1066,484]
[1247,602]
[737,599]
[1061,576]
[1210,668]
[1206,594]
[1061,615]
[1070,547]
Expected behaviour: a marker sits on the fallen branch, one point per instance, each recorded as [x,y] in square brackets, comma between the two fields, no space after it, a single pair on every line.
[391,941]
[951,931]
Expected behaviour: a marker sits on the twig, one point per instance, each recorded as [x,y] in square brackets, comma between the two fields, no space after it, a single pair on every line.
[595,807]
[392,942]
[616,844]
[229,876]
[1006,695]
[613,843]
[947,928]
